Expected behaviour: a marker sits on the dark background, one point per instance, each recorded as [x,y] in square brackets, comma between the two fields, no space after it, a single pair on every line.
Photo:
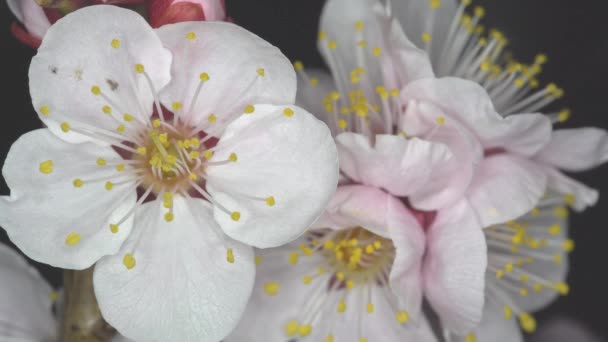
[574,34]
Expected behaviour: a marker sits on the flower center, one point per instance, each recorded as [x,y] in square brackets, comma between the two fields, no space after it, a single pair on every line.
[358,255]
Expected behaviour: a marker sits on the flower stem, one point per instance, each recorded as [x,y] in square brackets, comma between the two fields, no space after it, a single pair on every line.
[81,318]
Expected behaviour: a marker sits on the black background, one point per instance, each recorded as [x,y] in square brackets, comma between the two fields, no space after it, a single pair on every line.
[574,34]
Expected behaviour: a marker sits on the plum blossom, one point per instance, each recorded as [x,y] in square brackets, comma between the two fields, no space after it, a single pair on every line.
[438,145]
[164,164]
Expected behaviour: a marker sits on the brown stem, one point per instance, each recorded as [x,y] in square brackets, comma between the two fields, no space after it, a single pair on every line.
[82,319]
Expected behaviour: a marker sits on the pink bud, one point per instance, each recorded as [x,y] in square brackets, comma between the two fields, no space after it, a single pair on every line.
[34,21]
[164,12]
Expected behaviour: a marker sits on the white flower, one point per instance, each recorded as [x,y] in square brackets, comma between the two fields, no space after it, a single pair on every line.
[233,164]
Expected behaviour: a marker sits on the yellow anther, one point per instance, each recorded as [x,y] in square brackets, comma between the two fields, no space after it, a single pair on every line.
[121,128]
[509,267]
[540,59]
[156,123]
[322,35]
[261,72]
[440,120]
[362,44]
[230,255]
[435,4]
[44,110]
[106,109]
[235,215]
[520,82]
[194,154]
[169,217]
[508,312]
[314,81]
[176,105]
[479,12]
[115,43]
[114,228]
[249,109]
[139,68]
[561,212]
[562,288]
[129,261]
[329,338]
[340,276]
[272,288]
[500,274]
[65,127]
[109,185]
[101,162]
[568,245]
[208,154]
[291,328]
[369,249]
[305,330]
[359,25]
[204,77]
[564,115]
[470,338]
[527,322]
[342,123]
[376,51]
[363,339]
[426,37]
[538,287]
[370,308]
[258,259]
[53,296]
[167,196]
[78,183]
[341,306]
[293,258]
[270,201]
[307,280]
[298,66]
[191,35]
[141,150]
[328,244]
[535,212]
[233,157]
[332,44]
[402,317]
[555,229]
[95,90]
[523,292]
[350,284]
[72,239]
[127,117]
[288,112]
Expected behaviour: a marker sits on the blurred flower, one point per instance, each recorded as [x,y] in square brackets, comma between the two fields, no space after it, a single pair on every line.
[164,12]
[217,174]
[563,329]
[36,16]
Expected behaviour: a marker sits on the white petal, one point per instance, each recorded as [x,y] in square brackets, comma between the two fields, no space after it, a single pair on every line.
[25,308]
[505,187]
[400,166]
[43,210]
[494,327]
[181,288]
[232,57]
[455,266]
[79,52]
[576,149]
[291,158]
